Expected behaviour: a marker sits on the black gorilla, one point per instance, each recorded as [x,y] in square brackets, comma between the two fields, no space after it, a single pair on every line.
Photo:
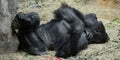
[67,34]
[67,13]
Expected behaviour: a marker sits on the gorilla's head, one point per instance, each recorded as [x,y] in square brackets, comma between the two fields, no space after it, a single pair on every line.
[99,34]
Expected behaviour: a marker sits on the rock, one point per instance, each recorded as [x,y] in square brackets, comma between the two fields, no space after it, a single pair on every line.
[8,10]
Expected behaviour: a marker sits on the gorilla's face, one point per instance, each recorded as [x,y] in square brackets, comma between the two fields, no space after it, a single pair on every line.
[100,37]
[27,20]
[99,34]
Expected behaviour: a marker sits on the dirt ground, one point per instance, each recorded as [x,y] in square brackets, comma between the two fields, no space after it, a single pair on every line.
[108,13]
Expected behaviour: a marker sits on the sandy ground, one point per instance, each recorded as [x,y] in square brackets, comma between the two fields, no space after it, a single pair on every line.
[109,15]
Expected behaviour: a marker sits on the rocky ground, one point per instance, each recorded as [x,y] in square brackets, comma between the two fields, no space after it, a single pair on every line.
[110,15]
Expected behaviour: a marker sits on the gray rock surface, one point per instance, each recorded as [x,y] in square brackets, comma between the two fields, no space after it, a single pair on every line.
[8,10]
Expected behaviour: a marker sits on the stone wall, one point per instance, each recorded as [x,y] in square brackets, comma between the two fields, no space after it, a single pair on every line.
[8,42]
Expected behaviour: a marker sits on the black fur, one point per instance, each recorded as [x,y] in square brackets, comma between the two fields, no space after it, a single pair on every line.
[68,14]
[58,32]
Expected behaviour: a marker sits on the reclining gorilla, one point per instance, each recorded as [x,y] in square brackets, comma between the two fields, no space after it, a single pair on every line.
[66,33]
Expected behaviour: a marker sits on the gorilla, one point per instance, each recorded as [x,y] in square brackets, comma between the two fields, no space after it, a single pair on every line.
[67,34]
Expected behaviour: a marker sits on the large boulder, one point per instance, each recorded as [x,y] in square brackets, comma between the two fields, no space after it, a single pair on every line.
[8,10]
